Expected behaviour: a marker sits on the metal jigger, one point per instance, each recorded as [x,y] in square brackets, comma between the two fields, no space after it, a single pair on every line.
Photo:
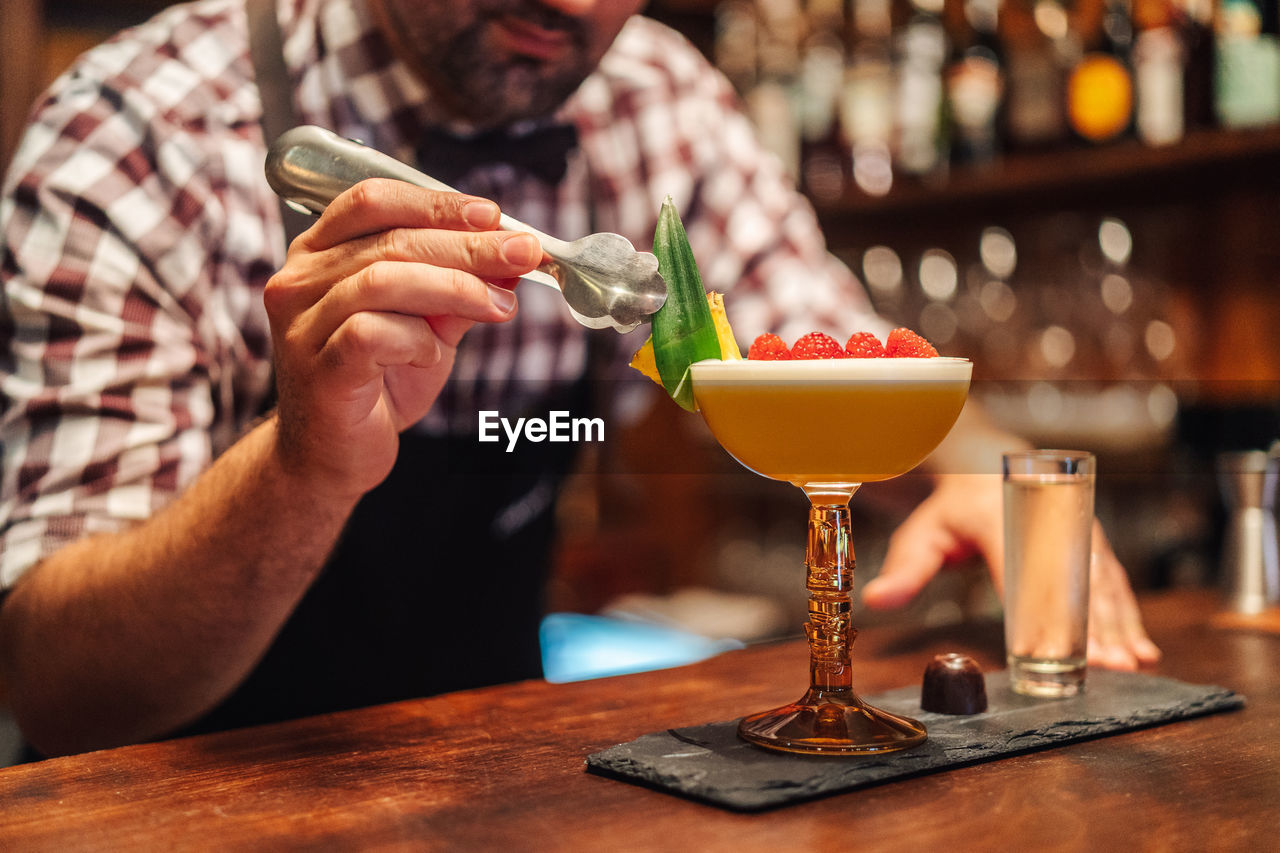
[1250,569]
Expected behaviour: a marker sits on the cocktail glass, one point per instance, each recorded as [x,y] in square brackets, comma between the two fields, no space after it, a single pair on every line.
[828,426]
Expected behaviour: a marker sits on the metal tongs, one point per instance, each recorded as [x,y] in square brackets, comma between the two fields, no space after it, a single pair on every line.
[604,280]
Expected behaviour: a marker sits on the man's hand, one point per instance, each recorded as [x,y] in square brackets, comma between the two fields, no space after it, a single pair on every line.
[964,516]
[366,317]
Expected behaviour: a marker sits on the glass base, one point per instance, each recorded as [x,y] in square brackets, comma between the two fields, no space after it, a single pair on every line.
[831,726]
[1046,678]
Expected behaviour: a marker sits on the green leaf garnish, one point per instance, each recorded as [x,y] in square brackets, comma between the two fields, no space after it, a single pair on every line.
[683,330]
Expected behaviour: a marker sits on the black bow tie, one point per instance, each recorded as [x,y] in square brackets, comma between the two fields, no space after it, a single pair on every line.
[542,152]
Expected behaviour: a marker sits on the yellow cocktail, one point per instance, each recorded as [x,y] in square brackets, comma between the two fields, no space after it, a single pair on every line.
[829,426]
[846,420]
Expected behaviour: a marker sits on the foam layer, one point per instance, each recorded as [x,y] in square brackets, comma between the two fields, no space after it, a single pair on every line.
[833,370]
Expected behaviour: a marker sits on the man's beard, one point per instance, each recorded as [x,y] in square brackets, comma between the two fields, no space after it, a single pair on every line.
[490,87]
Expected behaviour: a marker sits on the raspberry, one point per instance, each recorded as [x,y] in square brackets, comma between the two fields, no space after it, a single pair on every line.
[864,345]
[769,347]
[904,343]
[817,345]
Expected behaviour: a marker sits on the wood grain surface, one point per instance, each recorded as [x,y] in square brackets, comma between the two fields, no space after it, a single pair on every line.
[502,769]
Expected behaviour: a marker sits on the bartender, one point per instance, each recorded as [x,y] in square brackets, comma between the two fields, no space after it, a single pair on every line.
[181,554]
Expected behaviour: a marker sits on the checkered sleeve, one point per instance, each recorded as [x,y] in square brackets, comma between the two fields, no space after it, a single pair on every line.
[107,376]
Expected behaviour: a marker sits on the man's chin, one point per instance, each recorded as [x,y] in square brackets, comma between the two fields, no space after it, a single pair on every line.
[503,105]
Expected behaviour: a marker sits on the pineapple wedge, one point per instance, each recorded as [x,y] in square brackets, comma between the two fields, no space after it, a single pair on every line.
[643,359]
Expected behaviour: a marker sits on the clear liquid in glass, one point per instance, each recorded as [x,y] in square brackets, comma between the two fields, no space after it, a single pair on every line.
[1048,520]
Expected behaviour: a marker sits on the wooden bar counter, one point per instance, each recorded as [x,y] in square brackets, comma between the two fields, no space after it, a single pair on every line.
[502,769]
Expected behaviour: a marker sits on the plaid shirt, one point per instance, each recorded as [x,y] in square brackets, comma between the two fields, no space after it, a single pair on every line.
[138,231]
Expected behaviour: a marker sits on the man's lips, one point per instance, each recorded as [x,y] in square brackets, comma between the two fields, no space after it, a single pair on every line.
[518,36]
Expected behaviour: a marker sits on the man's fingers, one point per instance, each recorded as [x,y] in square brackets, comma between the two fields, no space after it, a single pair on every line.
[433,269]
[955,521]
[407,288]
[916,553]
[392,247]
[378,205]
[1107,647]
[494,256]
[1117,639]
[368,342]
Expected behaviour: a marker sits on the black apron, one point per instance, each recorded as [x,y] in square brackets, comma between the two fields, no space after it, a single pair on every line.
[437,584]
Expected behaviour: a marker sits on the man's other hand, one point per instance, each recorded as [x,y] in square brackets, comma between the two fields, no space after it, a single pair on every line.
[964,516]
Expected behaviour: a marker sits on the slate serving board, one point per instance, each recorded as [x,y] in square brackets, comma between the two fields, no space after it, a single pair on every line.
[709,763]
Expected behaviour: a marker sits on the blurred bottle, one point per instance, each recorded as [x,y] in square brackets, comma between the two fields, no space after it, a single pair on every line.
[1247,82]
[757,47]
[1158,73]
[773,102]
[736,36]
[1100,87]
[866,101]
[975,83]
[1039,45]
[822,64]
[920,52]
[1195,27]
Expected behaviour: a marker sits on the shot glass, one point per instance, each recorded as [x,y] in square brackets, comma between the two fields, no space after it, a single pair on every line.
[1048,527]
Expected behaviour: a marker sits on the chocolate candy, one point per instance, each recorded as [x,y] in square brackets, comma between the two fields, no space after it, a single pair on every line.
[953,684]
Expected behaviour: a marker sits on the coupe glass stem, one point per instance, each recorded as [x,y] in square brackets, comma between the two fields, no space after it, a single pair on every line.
[830,563]
[830,718]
